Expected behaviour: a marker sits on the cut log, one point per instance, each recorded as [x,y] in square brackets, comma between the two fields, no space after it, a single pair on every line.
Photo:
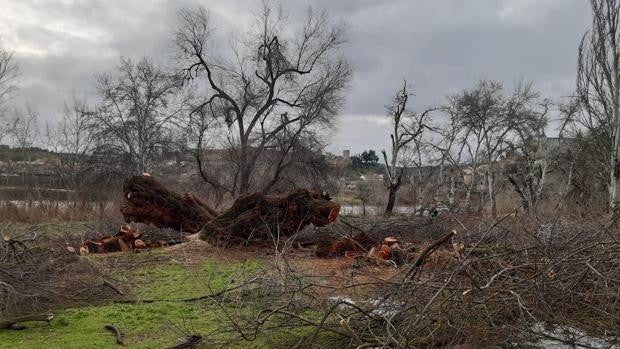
[123,245]
[259,217]
[14,323]
[147,201]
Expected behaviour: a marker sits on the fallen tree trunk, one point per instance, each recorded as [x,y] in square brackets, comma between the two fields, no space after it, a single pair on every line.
[14,323]
[259,217]
[251,217]
[147,201]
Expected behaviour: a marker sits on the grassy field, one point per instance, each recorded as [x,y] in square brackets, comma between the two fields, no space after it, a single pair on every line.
[159,315]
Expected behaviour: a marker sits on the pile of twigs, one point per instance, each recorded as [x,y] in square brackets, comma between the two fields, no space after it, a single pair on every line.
[495,284]
[36,275]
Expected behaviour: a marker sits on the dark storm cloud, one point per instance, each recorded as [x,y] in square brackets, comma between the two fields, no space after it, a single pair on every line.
[439,46]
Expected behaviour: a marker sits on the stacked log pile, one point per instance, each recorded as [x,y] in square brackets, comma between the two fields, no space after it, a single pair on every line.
[127,239]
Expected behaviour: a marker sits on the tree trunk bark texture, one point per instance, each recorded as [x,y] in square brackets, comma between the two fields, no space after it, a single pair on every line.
[259,217]
[147,201]
[251,217]
[389,208]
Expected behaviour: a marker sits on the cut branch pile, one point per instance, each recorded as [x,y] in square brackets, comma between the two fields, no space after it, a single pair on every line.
[37,275]
[539,284]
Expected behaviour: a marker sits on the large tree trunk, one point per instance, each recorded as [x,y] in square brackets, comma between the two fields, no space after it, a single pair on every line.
[147,201]
[490,182]
[259,217]
[615,88]
[389,208]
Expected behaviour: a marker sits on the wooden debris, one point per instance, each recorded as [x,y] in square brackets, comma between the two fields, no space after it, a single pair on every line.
[117,333]
[113,287]
[251,217]
[390,240]
[260,217]
[14,324]
[426,252]
[139,244]
[366,250]
[358,244]
[384,252]
[127,239]
[147,201]
[189,343]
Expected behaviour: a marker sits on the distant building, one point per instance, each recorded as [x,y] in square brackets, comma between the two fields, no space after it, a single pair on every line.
[339,161]
[372,177]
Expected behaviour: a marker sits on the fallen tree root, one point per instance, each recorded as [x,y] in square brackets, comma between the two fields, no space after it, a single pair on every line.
[119,335]
[14,324]
[190,342]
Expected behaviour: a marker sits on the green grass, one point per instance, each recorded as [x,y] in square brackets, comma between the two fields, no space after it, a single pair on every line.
[165,319]
[176,281]
[146,325]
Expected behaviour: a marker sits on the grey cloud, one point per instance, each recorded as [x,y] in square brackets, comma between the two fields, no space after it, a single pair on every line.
[439,46]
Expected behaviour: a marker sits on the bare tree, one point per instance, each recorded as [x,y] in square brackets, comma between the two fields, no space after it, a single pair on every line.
[489,120]
[280,83]
[9,72]
[407,127]
[598,86]
[24,127]
[454,146]
[137,108]
[74,142]
[73,132]
[530,142]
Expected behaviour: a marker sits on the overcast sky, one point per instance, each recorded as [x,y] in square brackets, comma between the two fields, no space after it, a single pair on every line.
[441,47]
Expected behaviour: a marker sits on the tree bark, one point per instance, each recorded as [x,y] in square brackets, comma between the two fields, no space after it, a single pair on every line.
[147,201]
[251,217]
[389,208]
[260,217]
[13,323]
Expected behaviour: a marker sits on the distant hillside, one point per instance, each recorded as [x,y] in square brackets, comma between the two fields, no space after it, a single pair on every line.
[27,154]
